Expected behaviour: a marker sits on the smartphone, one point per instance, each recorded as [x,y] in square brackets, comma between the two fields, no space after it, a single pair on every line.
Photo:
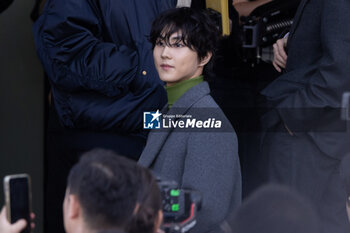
[18,198]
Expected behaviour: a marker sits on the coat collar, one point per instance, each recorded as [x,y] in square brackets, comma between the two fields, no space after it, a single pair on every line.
[189,98]
[156,139]
[296,20]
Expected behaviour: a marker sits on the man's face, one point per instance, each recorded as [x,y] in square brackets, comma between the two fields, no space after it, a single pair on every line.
[65,212]
[176,62]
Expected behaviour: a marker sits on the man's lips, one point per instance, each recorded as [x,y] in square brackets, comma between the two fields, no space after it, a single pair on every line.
[166,66]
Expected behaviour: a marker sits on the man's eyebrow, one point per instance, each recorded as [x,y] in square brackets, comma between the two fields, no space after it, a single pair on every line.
[176,38]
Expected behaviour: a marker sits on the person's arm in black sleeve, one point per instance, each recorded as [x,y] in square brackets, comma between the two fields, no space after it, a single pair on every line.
[69,43]
[313,106]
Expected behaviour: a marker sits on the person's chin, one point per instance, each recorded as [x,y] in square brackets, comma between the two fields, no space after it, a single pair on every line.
[166,79]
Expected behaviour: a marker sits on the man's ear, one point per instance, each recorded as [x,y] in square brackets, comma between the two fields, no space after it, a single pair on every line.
[74,208]
[158,221]
[205,59]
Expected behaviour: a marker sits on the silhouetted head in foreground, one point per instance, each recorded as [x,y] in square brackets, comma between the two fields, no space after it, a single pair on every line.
[107,192]
[275,209]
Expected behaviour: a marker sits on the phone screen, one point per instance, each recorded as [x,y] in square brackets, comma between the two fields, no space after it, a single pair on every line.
[19,200]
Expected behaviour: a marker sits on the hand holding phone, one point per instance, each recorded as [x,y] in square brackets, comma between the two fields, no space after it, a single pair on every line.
[18,199]
[7,227]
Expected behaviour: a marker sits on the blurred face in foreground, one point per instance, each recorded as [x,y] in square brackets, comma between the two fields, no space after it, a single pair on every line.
[348,208]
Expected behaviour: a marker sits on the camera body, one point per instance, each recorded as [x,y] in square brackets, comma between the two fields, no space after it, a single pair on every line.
[180,207]
[265,25]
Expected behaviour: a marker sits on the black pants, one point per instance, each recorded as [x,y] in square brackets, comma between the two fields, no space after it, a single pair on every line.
[63,149]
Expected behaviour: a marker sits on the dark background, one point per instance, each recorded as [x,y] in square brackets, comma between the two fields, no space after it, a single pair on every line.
[21,102]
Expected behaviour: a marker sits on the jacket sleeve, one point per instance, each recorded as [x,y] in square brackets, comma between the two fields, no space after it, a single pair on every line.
[69,42]
[327,80]
[212,168]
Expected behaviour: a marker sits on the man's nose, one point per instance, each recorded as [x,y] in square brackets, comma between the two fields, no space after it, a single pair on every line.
[166,52]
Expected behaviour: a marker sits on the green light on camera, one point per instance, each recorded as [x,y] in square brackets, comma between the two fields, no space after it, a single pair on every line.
[175,193]
[175,207]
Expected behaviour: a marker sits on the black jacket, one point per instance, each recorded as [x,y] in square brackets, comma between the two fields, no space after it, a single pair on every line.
[99,61]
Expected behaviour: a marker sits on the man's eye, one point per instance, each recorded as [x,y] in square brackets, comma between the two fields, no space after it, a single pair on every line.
[178,45]
[160,43]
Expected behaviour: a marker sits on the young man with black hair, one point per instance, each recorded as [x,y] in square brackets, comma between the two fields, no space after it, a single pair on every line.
[202,159]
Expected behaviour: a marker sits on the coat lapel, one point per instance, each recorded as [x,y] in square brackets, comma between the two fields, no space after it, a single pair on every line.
[157,138]
[296,20]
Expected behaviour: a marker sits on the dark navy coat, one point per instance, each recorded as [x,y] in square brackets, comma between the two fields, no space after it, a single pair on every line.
[99,61]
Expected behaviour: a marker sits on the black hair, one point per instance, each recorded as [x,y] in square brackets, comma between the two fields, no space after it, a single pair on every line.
[198,31]
[275,209]
[149,204]
[108,187]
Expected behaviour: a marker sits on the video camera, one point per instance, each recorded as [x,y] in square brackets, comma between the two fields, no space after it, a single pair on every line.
[180,207]
[265,25]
